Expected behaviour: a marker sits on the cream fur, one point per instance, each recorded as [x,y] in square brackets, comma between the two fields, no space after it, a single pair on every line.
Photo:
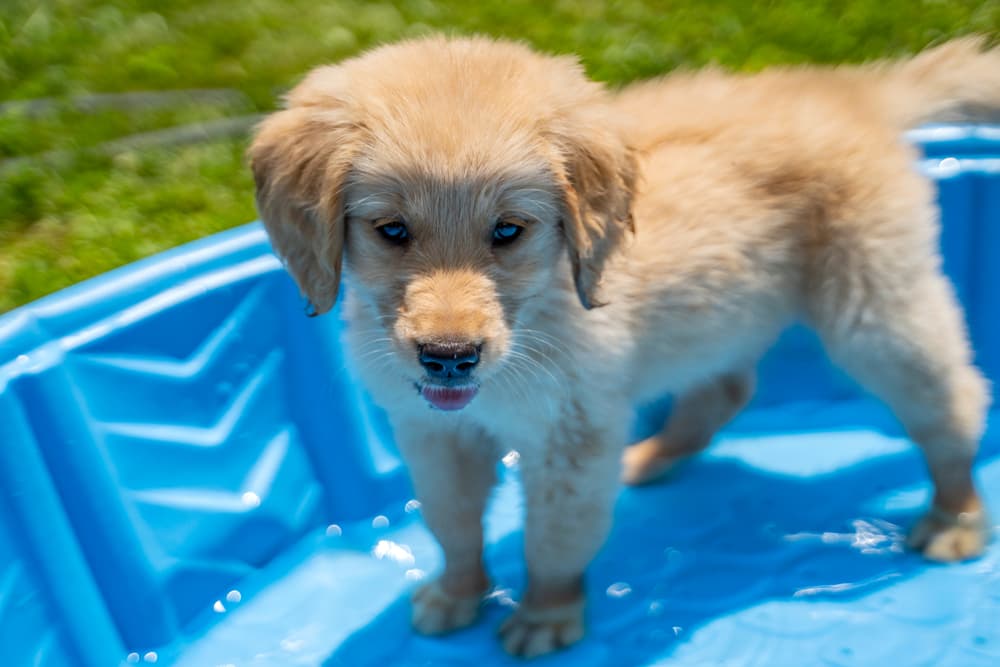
[703,213]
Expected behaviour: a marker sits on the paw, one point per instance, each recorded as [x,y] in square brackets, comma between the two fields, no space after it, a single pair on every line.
[648,461]
[530,633]
[945,537]
[437,612]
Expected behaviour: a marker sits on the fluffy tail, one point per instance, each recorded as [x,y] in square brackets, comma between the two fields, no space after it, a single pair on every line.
[957,81]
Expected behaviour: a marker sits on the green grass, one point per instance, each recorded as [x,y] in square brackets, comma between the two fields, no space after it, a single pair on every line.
[72,205]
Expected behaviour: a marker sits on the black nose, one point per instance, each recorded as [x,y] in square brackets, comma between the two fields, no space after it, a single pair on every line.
[449,360]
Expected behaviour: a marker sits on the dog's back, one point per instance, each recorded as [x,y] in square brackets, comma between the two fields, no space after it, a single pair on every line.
[772,190]
[956,81]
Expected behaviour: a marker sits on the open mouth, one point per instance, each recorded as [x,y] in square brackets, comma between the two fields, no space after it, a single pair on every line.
[448,398]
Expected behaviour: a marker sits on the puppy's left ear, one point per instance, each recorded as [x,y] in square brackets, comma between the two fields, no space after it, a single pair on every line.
[597,172]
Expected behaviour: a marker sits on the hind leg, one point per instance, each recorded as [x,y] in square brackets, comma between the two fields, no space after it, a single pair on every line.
[696,417]
[906,342]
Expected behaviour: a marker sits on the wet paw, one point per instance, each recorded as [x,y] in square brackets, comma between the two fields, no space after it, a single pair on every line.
[945,537]
[648,461]
[531,633]
[437,612]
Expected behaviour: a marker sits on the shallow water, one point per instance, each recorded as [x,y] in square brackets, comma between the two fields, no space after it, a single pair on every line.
[769,550]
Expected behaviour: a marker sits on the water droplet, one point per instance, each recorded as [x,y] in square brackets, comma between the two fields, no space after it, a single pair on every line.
[151,657]
[619,589]
[234,596]
[333,530]
[507,601]
[251,499]
[655,608]
[511,458]
[677,630]
[415,574]
[399,553]
[411,506]
[503,597]
[133,658]
[949,165]
[381,521]
[219,607]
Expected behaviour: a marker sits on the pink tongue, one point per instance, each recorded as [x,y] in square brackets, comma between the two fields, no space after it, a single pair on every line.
[449,398]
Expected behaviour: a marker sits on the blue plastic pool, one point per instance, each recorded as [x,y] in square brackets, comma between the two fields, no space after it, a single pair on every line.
[189,476]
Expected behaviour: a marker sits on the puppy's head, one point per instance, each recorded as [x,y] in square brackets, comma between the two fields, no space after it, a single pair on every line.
[451,176]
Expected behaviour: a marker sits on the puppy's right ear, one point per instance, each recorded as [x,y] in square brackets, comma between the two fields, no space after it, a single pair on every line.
[300,160]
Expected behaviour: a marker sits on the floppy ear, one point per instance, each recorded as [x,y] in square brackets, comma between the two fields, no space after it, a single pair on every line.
[597,173]
[300,160]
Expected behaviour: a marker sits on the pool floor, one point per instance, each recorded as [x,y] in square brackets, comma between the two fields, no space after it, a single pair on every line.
[781,545]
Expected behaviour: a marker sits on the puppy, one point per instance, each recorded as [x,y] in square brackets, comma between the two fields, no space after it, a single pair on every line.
[529,256]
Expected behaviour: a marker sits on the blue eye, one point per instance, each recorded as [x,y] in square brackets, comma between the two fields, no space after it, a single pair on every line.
[506,232]
[394,232]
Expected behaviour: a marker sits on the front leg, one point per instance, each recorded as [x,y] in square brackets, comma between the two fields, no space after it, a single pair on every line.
[570,487]
[453,472]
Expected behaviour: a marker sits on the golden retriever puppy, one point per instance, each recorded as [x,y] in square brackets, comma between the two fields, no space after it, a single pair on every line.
[528,256]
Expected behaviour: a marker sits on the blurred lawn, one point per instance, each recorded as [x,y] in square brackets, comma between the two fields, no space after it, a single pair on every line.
[90,181]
